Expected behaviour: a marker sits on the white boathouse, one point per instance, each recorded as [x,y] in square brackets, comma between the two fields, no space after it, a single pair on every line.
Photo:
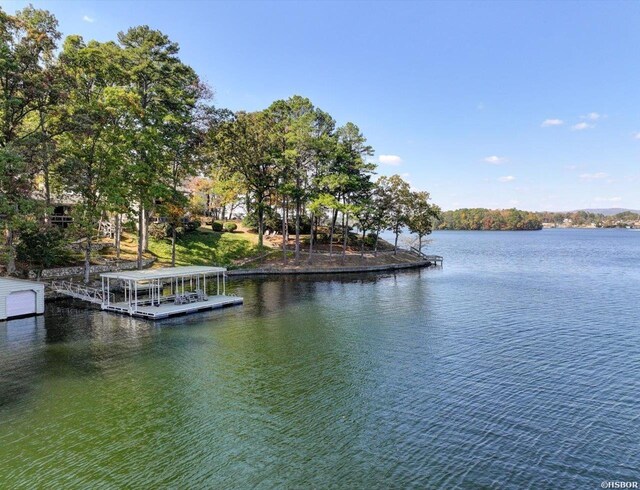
[160,293]
[20,298]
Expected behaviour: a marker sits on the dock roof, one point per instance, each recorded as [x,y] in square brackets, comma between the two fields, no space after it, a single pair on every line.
[164,273]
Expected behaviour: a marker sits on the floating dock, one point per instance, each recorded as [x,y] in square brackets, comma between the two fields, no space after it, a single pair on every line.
[157,293]
[167,309]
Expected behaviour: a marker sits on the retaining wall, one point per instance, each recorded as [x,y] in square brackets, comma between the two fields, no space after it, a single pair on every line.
[123,265]
[331,270]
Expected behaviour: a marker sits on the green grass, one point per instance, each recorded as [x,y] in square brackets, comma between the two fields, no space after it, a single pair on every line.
[205,247]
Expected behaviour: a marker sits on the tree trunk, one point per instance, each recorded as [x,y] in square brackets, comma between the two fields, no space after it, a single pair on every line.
[333,225]
[364,232]
[118,233]
[395,246]
[345,236]
[313,223]
[87,260]
[297,229]
[47,194]
[375,244]
[284,229]
[420,243]
[140,249]
[260,224]
[173,246]
[11,259]
[145,231]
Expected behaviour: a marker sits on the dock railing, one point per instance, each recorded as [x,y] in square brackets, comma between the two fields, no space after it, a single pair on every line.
[435,259]
[80,291]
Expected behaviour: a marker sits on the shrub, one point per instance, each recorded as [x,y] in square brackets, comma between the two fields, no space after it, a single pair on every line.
[230,227]
[43,248]
[129,225]
[159,231]
[370,240]
[192,226]
[217,226]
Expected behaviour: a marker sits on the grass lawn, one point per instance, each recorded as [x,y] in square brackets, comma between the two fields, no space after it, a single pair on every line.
[206,247]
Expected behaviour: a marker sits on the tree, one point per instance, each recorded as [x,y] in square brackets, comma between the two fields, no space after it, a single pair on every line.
[421,215]
[243,145]
[346,175]
[166,88]
[182,152]
[299,132]
[395,197]
[96,115]
[42,247]
[27,46]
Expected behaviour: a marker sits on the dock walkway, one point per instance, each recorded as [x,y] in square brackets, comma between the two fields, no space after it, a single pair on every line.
[164,310]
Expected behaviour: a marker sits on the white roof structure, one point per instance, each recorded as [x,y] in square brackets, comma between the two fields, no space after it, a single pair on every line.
[164,273]
[19,283]
[19,297]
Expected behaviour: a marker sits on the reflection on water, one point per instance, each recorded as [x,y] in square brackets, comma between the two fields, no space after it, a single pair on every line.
[515,365]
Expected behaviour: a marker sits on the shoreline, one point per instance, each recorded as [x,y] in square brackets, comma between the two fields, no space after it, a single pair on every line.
[292,271]
[329,270]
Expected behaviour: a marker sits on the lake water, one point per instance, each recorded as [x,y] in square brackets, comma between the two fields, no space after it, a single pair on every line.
[516,365]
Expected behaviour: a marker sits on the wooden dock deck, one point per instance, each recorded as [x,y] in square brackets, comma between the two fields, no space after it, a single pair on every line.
[165,310]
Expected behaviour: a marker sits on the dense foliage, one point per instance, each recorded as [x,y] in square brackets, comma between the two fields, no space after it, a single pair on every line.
[124,129]
[489,219]
[591,219]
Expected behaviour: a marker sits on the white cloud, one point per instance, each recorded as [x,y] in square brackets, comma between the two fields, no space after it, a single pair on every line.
[581,126]
[394,160]
[571,167]
[636,136]
[552,122]
[507,178]
[608,199]
[495,160]
[86,18]
[592,116]
[595,176]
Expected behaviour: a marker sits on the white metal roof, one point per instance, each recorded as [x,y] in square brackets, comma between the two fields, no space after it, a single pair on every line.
[12,282]
[163,273]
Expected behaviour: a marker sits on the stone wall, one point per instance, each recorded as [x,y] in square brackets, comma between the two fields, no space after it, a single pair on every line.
[330,270]
[59,272]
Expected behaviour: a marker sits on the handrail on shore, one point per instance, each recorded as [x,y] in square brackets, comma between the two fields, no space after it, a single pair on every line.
[431,258]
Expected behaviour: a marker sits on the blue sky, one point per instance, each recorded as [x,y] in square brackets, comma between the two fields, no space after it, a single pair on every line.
[533,105]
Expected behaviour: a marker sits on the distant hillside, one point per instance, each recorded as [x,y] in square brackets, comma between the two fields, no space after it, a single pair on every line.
[610,211]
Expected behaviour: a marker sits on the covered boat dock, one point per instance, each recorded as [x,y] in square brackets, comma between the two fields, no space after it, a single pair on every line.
[160,293]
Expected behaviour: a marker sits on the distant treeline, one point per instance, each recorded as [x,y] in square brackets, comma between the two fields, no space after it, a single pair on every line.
[489,219]
[514,219]
[584,218]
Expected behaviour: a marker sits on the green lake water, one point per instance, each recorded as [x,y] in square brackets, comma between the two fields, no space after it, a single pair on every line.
[516,365]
